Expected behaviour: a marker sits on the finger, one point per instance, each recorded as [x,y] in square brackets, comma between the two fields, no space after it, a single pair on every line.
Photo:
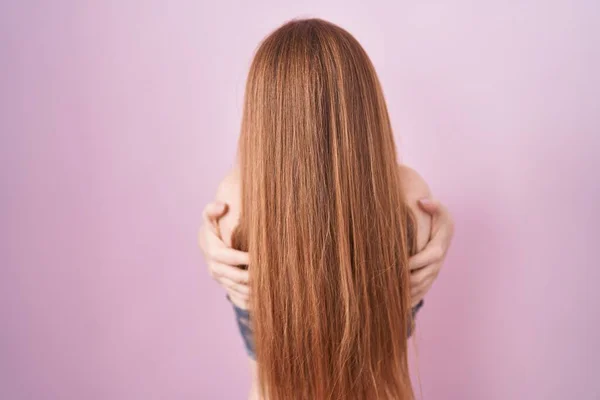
[418,291]
[215,250]
[208,235]
[432,253]
[426,284]
[238,288]
[442,229]
[209,239]
[415,299]
[230,272]
[211,214]
[211,236]
[418,277]
[430,206]
[229,256]
[214,210]
[421,289]
[416,295]
[238,300]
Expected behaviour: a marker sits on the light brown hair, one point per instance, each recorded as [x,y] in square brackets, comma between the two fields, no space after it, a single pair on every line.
[324,220]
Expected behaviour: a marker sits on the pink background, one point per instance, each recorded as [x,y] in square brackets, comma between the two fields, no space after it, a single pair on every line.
[119,118]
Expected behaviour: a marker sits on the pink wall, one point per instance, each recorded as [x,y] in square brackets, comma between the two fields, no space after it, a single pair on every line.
[119,118]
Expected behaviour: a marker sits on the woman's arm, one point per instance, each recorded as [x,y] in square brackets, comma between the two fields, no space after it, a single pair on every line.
[415,188]
[426,265]
[221,260]
[432,249]
[214,240]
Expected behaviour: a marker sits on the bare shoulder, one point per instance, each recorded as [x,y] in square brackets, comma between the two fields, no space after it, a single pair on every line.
[228,192]
[415,188]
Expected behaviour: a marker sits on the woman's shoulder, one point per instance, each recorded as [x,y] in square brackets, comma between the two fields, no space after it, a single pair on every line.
[415,188]
[412,183]
[228,192]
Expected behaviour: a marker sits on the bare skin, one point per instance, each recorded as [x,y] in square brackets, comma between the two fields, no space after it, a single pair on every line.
[221,258]
[228,193]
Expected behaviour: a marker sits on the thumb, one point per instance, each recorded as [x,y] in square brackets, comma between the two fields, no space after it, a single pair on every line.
[214,211]
[429,205]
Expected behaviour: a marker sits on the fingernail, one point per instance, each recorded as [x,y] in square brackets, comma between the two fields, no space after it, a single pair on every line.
[425,200]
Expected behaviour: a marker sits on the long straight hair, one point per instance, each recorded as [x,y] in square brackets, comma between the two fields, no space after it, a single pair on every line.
[324,221]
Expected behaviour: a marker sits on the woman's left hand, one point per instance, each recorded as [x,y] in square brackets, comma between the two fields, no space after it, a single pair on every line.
[426,265]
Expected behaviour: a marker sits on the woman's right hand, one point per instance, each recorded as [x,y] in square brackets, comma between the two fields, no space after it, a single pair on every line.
[222,260]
